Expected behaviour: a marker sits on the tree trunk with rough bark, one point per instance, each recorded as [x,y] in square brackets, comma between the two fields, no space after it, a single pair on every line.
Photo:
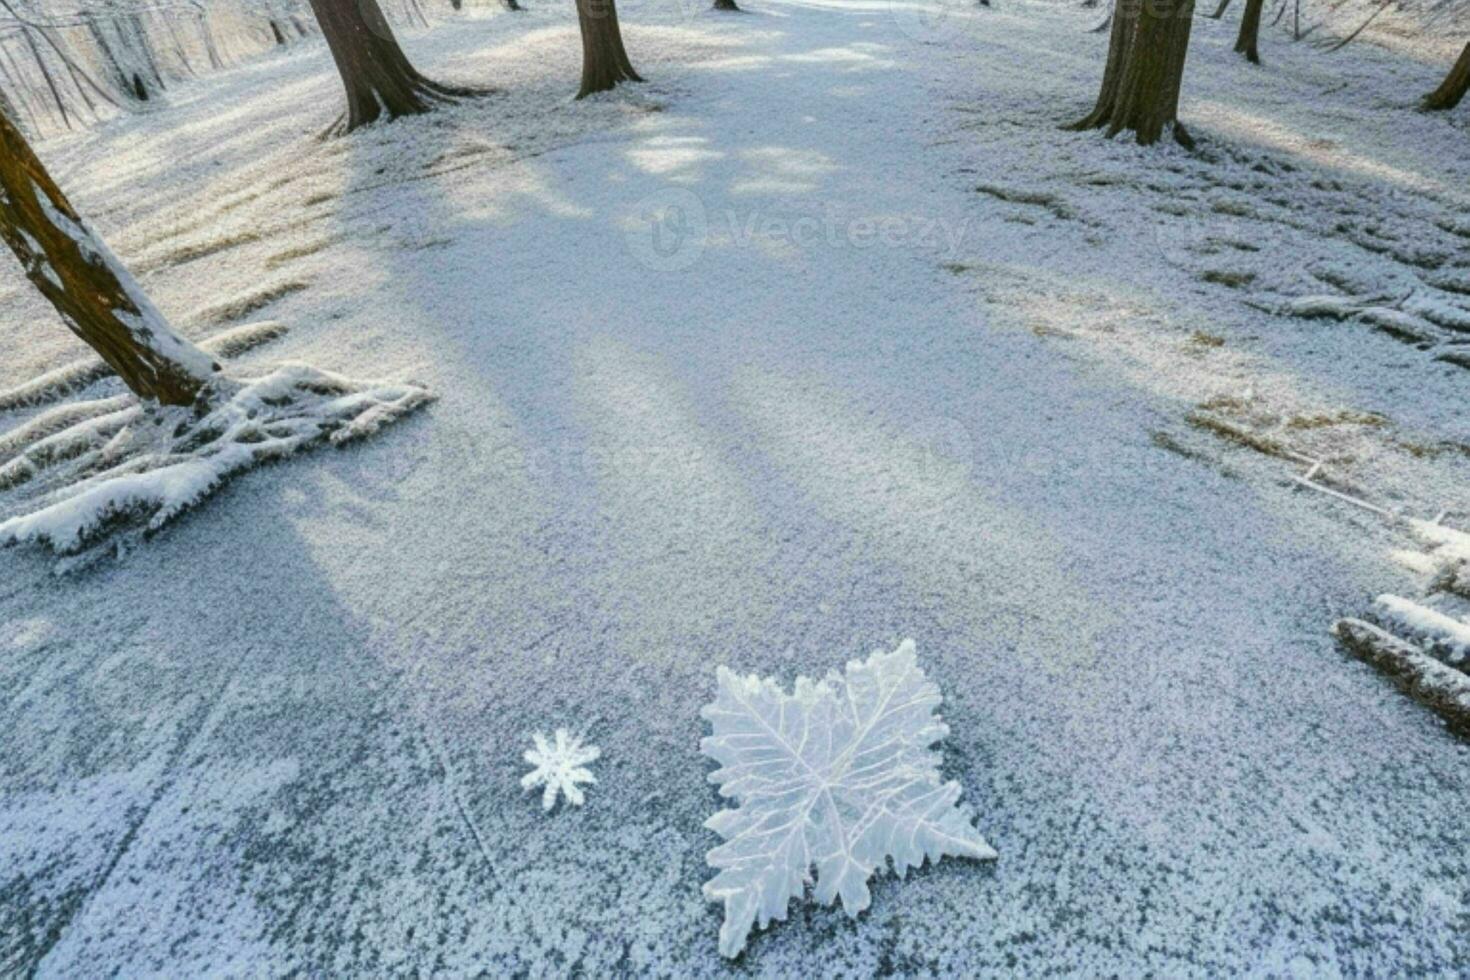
[1250,31]
[1144,71]
[379,80]
[604,59]
[1448,95]
[94,294]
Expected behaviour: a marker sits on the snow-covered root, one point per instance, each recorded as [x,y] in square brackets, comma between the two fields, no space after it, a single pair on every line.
[132,469]
[431,94]
[1424,678]
[57,384]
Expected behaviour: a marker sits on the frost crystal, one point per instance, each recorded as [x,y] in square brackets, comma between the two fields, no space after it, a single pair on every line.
[559,767]
[839,774]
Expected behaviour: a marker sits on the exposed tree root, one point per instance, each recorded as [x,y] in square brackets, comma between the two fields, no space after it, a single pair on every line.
[1454,87]
[1113,125]
[427,94]
[116,468]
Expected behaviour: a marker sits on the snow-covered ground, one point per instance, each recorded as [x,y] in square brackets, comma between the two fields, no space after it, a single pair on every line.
[825,337]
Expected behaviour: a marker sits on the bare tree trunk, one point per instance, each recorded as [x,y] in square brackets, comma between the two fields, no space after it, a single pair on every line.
[10,73]
[379,80]
[604,59]
[1449,94]
[1144,71]
[139,38]
[210,48]
[1220,10]
[46,74]
[1250,31]
[731,5]
[91,290]
[509,5]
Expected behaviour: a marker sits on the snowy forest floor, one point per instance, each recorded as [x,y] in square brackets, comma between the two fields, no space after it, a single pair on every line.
[903,359]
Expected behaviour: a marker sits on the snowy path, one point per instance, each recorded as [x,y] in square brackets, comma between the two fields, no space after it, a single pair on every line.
[287,734]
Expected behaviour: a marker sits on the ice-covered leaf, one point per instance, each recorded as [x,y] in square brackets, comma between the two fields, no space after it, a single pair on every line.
[840,775]
[560,766]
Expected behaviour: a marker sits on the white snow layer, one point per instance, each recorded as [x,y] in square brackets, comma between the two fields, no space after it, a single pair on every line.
[284,736]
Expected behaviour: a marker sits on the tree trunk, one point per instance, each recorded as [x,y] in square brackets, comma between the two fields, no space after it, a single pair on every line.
[50,84]
[510,4]
[1448,95]
[91,290]
[604,59]
[1250,31]
[1144,71]
[379,80]
[731,5]
[1220,10]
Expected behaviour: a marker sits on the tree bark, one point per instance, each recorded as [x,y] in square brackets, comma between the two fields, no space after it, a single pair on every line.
[604,59]
[1250,31]
[1144,71]
[94,294]
[729,5]
[379,80]
[1449,94]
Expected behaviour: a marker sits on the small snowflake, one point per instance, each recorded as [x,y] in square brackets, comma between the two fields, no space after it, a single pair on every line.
[560,767]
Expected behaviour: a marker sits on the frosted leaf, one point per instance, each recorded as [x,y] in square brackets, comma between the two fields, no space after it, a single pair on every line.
[560,766]
[839,774]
